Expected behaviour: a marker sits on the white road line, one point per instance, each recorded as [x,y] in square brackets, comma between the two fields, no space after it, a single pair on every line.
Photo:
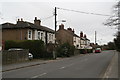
[39,75]
[62,67]
[65,66]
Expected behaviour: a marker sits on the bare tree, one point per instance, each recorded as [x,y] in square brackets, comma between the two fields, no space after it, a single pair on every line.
[115,21]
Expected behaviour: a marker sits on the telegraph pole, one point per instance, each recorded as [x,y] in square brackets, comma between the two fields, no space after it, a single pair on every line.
[54,52]
[55,20]
[95,37]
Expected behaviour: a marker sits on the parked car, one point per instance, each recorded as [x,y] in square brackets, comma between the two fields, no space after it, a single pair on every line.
[98,50]
[30,56]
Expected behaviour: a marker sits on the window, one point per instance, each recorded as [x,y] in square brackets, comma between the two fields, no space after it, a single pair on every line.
[30,34]
[49,36]
[39,35]
[52,37]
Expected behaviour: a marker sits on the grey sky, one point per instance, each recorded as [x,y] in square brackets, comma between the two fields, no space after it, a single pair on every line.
[10,11]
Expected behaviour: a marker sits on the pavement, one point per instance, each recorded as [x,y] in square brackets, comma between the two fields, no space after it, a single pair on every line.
[112,69]
[25,64]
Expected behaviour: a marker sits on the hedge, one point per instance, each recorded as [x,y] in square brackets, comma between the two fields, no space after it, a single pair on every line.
[36,47]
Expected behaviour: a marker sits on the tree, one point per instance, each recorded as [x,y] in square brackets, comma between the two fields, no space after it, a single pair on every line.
[111,46]
[117,41]
[115,21]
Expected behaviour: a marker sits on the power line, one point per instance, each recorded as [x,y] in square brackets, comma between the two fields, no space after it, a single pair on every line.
[83,12]
[47,17]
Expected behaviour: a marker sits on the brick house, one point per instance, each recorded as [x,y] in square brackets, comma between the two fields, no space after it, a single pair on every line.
[68,36]
[23,30]
[64,36]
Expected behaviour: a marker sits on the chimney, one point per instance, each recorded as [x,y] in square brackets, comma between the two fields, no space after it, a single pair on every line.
[18,19]
[37,22]
[21,19]
[61,26]
[81,34]
[85,36]
[69,29]
[73,31]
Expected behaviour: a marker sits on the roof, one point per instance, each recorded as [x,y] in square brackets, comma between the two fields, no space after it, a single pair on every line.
[76,35]
[8,25]
[24,24]
[82,38]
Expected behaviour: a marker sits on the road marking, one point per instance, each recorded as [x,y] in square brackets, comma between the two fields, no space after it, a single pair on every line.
[62,67]
[66,66]
[39,75]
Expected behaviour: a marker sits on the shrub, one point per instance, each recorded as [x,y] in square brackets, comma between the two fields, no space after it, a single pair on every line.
[65,50]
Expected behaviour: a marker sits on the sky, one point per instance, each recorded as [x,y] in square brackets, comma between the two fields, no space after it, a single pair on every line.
[11,10]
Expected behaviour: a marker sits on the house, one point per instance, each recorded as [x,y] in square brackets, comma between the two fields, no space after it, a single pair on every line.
[24,30]
[84,41]
[67,36]
[64,36]
[76,41]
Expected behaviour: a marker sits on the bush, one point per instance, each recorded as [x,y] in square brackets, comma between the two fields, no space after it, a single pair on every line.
[36,47]
[65,50]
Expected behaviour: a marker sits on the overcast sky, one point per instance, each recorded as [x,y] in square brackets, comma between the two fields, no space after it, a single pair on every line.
[11,10]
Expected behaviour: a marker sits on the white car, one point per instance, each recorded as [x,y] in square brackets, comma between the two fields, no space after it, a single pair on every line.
[30,56]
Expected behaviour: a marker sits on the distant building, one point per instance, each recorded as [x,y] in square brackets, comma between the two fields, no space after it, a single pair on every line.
[84,41]
[68,36]
[23,30]
[64,36]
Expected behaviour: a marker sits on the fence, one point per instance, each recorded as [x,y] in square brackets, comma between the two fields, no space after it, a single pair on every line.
[9,57]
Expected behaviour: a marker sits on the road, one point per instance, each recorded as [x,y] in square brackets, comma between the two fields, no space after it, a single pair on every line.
[87,66]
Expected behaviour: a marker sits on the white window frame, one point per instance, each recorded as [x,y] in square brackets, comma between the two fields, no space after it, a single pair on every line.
[29,35]
[42,36]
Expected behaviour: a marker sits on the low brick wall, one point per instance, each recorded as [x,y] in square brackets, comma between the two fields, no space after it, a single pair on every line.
[9,57]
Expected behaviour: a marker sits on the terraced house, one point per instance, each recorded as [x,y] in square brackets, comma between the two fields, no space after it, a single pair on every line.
[68,36]
[24,30]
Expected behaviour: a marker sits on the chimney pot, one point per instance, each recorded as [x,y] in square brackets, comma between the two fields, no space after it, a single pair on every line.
[69,29]
[35,18]
[61,26]
[85,36]
[21,19]
[73,31]
[81,34]
[18,19]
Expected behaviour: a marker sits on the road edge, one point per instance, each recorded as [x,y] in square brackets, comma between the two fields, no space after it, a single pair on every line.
[105,73]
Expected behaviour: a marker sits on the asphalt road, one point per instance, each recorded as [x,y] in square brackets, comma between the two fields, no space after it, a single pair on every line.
[87,66]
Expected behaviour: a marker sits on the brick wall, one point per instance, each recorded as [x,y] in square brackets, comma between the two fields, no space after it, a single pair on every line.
[9,57]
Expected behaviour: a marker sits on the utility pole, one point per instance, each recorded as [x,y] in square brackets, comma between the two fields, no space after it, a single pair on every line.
[55,23]
[55,20]
[54,52]
[95,37]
